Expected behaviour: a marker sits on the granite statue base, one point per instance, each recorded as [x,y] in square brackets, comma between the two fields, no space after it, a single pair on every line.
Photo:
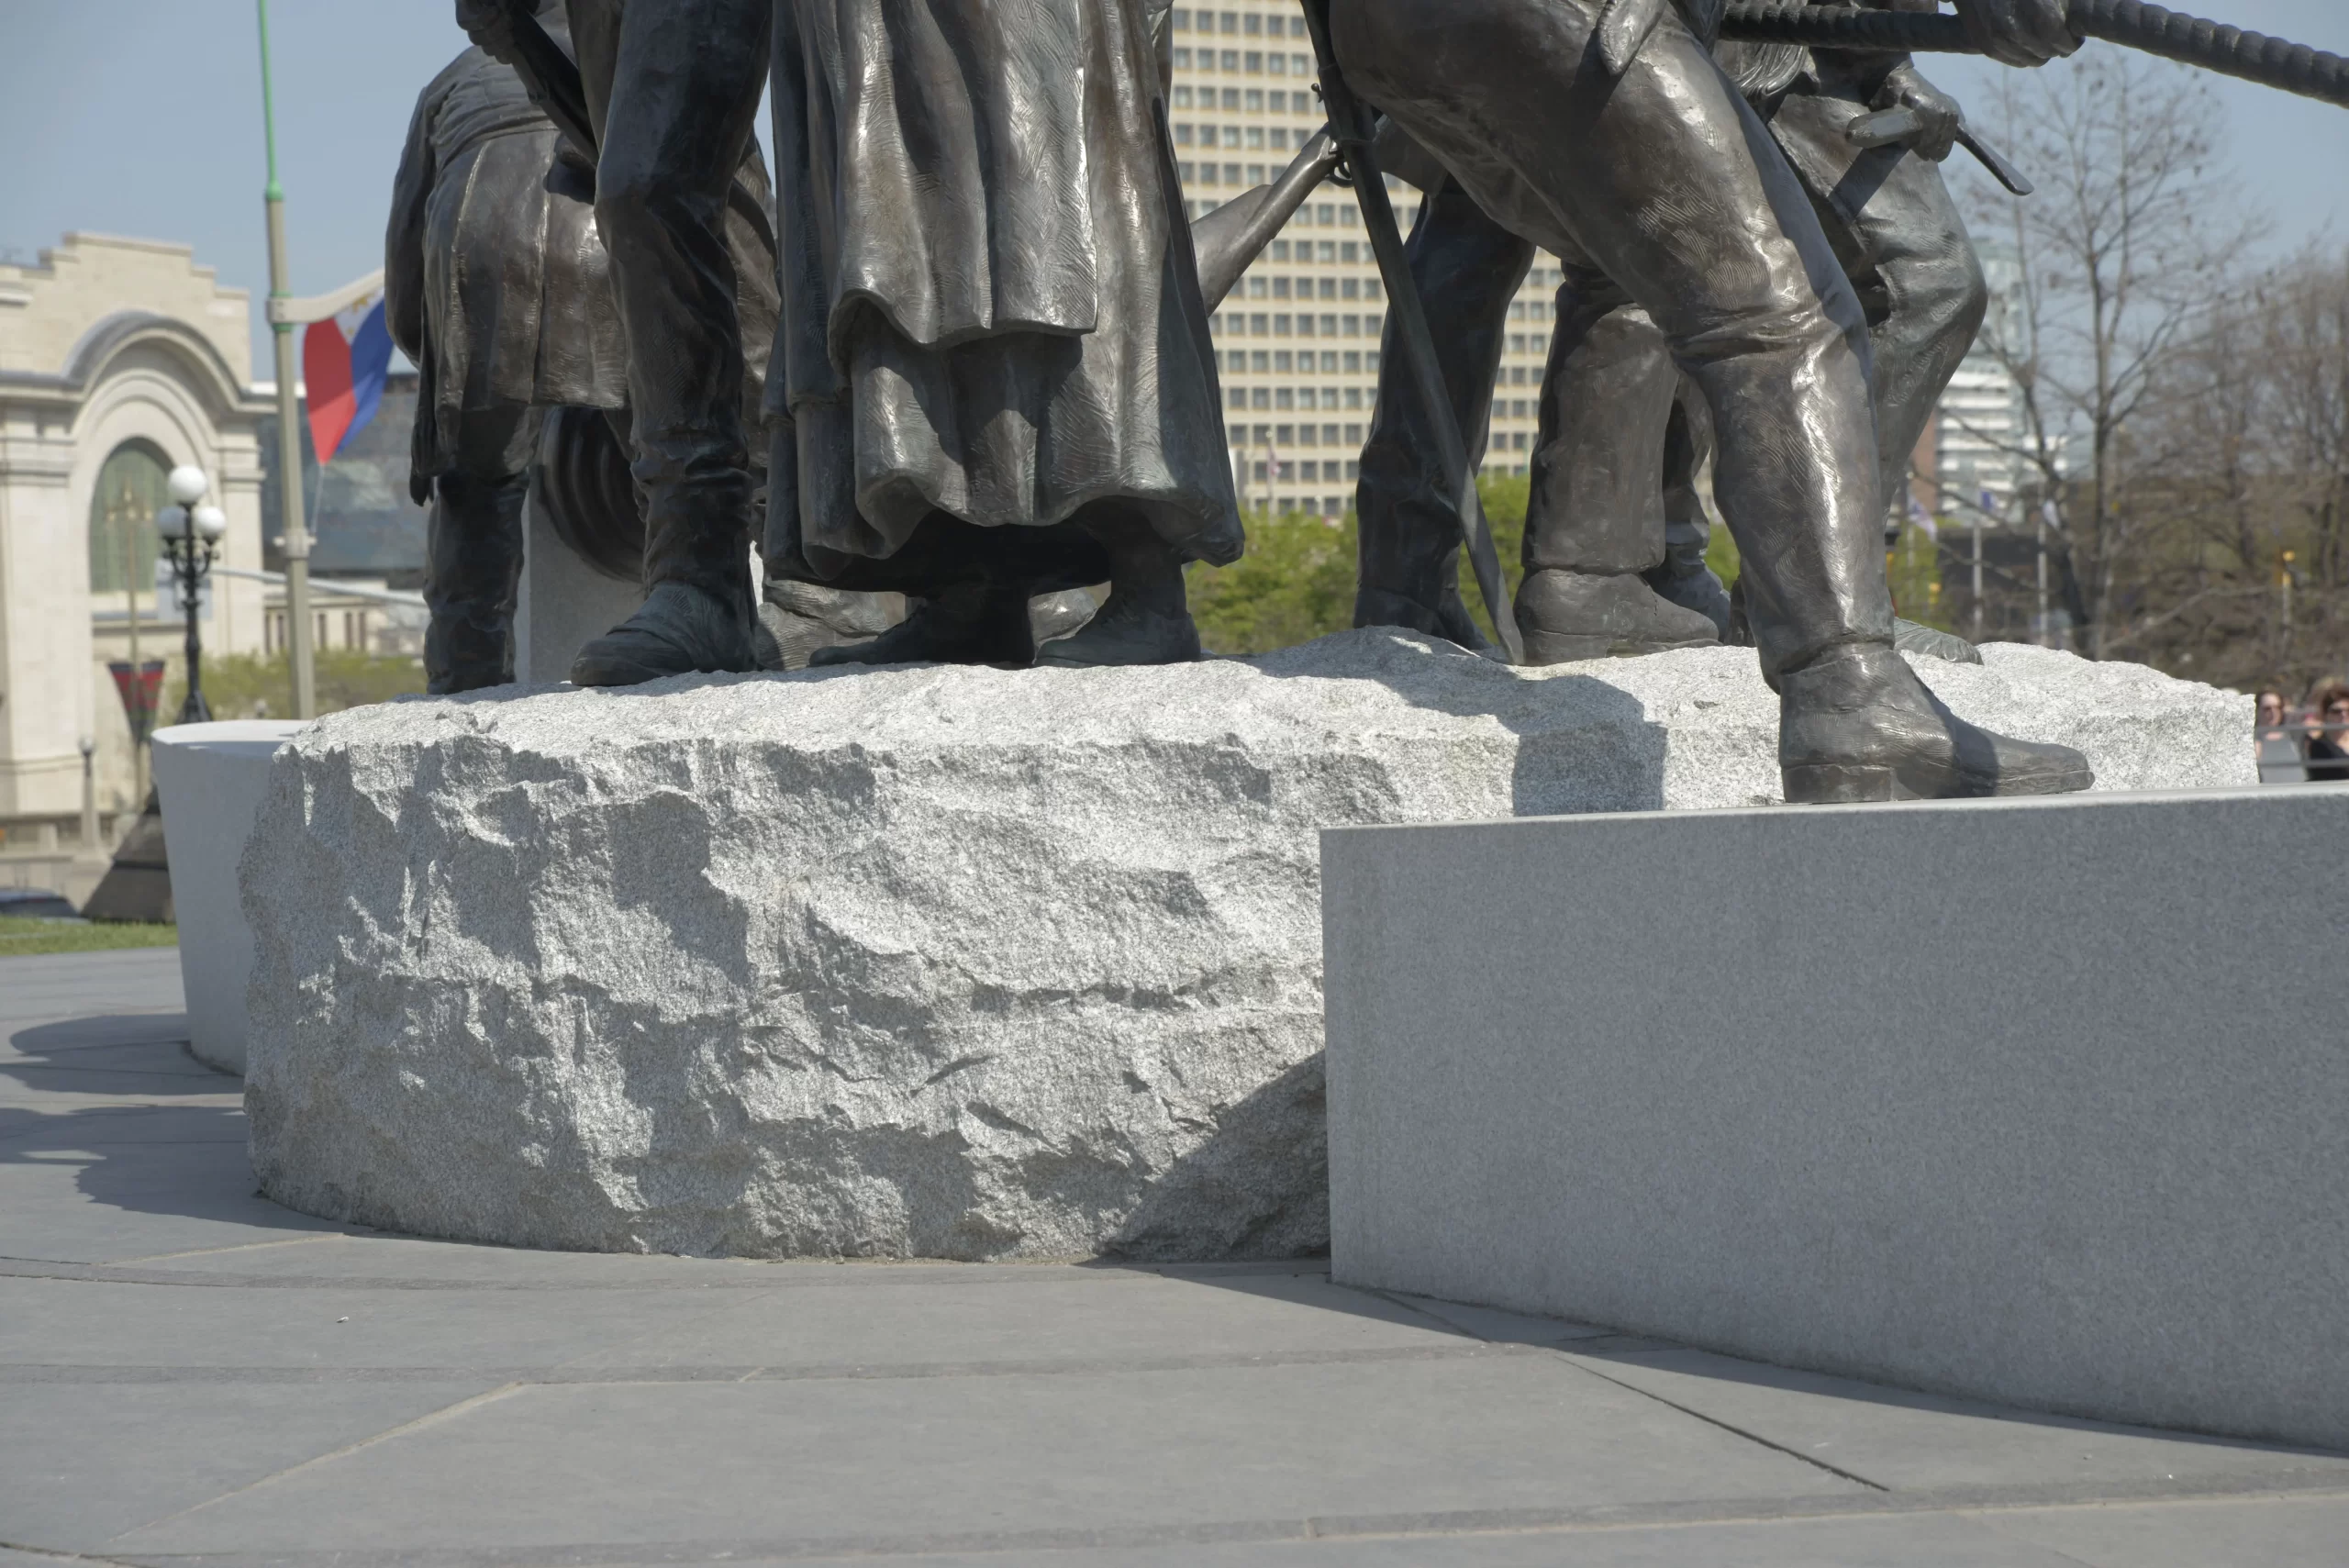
[2036,1102]
[945,962]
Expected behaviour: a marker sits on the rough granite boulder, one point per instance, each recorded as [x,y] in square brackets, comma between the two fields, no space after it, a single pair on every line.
[940,961]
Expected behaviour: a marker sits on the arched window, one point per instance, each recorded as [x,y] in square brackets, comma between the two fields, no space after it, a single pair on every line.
[123,542]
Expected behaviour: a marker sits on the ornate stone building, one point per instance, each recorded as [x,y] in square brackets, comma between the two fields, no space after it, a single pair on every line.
[120,360]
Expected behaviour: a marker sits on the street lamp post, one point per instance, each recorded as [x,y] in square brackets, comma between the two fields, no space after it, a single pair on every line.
[192,536]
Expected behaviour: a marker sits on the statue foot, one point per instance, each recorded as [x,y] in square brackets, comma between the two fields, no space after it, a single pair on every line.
[1855,724]
[1125,632]
[1699,590]
[1448,617]
[679,630]
[1931,643]
[968,623]
[1568,615]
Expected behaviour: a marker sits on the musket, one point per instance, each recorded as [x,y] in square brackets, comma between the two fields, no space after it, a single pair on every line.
[2190,40]
[1353,128]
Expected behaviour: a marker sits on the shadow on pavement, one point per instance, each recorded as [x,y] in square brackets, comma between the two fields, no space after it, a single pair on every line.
[1492,1326]
[143,1054]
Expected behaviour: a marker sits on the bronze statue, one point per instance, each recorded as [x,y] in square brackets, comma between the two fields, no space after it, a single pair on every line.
[1614,562]
[1604,131]
[498,287]
[493,285]
[994,377]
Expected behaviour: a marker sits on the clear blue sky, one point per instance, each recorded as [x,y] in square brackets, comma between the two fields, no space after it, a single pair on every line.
[143,118]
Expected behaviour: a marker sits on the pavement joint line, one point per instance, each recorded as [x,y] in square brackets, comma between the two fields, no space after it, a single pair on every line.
[1565,1357]
[57,1556]
[1586,1519]
[1729,1427]
[239,1247]
[429,1418]
[802,1274]
[568,1374]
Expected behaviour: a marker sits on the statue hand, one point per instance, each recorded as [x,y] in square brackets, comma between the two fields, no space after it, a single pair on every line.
[490,24]
[2019,32]
[1904,89]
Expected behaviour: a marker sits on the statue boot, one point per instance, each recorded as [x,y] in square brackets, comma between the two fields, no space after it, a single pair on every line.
[977,622]
[700,614]
[1855,724]
[473,569]
[1146,619]
[1568,615]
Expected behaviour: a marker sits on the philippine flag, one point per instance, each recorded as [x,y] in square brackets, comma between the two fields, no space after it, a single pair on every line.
[345,360]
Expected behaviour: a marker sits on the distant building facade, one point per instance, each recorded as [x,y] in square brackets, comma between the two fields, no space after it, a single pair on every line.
[1298,337]
[120,360]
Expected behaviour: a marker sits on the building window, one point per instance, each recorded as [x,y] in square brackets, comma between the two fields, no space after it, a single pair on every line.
[1260,398]
[1182,95]
[1280,249]
[1231,60]
[1181,21]
[1231,174]
[131,489]
[1280,358]
[1312,475]
[1237,397]
[1182,63]
[1232,97]
[1251,24]
[1353,471]
[1255,63]
[1353,367]
[1284,435]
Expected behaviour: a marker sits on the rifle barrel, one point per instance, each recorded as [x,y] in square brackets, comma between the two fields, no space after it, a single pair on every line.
[2190,40]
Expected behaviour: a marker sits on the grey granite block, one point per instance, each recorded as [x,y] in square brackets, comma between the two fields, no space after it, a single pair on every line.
[2044,1102]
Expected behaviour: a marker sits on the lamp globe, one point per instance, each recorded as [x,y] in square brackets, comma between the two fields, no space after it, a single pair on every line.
[172,522]
[211,522]
[188,484]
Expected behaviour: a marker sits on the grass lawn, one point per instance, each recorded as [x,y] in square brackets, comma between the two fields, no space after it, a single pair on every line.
[18,935]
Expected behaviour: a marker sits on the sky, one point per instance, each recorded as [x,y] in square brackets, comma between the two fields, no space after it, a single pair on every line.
[142,117]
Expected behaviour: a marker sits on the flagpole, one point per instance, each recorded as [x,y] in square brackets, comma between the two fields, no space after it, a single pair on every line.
[289,430]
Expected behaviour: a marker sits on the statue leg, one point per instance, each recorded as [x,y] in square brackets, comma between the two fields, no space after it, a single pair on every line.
[1667,184]
[1683,577]
[675,86]
[1595,526]
[472,561]
[1467,267]
[1146,620]
[1897,232]
[1893,225]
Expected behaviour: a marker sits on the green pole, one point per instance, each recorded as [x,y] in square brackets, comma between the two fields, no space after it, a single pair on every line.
[289,431]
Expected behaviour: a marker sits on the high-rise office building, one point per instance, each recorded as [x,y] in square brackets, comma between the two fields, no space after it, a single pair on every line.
[1298,336]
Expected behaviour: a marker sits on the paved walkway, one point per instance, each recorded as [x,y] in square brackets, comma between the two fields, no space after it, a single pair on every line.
[190,1373]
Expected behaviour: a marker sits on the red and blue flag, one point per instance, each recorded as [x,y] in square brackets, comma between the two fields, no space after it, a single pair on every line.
[345,362]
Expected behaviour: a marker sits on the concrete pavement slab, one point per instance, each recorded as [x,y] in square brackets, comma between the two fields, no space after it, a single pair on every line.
[865,1463]
[89,1182]
[1922,1442]
[883,1319]
[72,984]
[52,1323]
[80,1465]
[2274,1532]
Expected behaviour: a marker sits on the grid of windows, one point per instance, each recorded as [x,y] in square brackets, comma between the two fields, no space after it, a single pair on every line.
[1299,337]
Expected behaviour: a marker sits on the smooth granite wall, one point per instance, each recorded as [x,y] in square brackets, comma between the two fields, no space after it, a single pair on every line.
[2044,1101]
[211,779]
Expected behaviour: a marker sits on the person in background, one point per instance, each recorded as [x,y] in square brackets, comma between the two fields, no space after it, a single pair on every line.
[2328,746]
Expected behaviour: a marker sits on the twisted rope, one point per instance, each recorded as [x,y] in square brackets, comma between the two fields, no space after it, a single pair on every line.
[2190,40]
